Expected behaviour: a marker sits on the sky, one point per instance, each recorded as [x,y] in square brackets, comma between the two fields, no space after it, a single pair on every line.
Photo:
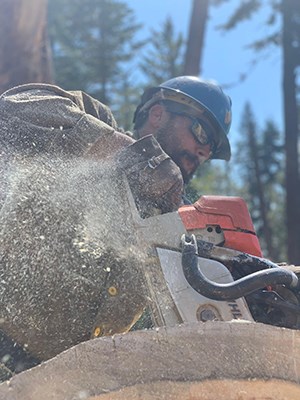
[225,56]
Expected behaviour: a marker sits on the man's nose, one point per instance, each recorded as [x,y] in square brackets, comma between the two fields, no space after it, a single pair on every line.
[203,153]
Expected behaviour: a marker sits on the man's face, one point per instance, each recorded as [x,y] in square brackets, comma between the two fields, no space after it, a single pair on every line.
[177,140]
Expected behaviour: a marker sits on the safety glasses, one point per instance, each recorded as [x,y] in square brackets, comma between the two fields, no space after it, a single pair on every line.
[200,131]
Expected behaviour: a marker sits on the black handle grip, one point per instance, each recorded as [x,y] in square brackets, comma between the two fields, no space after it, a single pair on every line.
[233,290]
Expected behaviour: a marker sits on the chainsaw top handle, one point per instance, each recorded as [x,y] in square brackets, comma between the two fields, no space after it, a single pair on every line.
[233,290]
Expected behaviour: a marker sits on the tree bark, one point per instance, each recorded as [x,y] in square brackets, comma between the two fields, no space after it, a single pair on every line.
[24,49]
[289,9]
[193,57]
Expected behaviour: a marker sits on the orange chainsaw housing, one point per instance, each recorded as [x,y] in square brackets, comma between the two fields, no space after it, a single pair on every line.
[230,214]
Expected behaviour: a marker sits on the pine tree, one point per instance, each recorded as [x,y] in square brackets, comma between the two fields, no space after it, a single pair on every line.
[124,101]
[284,33]
[164,57]
[261,164]
[93,42]
[272,161]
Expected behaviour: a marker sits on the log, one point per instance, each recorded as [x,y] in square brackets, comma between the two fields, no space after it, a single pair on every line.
[223,360]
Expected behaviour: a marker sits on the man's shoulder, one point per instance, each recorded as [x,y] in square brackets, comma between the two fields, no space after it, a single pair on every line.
[80,99]
[94,107]
[35,88]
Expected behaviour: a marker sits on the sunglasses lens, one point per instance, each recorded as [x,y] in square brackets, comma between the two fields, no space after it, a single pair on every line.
[199,133]
[202,136]
[200,130]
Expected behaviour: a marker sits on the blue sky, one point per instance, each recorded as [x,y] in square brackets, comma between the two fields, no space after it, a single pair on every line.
[225,56]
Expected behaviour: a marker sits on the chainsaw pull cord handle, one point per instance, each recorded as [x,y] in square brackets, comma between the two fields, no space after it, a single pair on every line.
[233,290]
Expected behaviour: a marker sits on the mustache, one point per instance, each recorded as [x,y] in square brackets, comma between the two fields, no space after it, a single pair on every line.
[191,158]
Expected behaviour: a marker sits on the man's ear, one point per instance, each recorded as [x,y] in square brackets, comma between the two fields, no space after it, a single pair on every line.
[156,115]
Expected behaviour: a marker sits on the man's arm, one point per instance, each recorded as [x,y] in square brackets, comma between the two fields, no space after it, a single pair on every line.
[45,119]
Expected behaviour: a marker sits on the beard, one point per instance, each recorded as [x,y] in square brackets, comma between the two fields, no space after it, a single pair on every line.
[171,145]
[178,157]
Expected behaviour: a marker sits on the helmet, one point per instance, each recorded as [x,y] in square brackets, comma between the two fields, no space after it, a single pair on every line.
[193,96]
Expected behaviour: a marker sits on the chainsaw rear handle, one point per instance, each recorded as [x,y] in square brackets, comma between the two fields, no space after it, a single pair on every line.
[233,290]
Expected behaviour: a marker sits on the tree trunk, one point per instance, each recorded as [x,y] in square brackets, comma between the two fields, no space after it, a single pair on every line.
[24,49]
[289,9]
[196,37]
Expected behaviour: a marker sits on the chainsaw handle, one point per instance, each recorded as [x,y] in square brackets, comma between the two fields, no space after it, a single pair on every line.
[233,290]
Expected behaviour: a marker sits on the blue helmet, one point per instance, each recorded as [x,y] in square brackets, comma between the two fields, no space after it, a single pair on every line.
[201,99]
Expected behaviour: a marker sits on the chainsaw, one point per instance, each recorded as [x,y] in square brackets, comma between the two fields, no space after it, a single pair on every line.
[206,264]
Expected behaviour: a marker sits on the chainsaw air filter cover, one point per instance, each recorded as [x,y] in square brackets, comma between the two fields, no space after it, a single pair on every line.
[222,220]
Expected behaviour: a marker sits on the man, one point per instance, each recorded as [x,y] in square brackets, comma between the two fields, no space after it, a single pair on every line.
[190,119]
[70,265]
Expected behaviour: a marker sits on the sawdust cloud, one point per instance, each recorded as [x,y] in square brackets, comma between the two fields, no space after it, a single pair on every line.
[65,227]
